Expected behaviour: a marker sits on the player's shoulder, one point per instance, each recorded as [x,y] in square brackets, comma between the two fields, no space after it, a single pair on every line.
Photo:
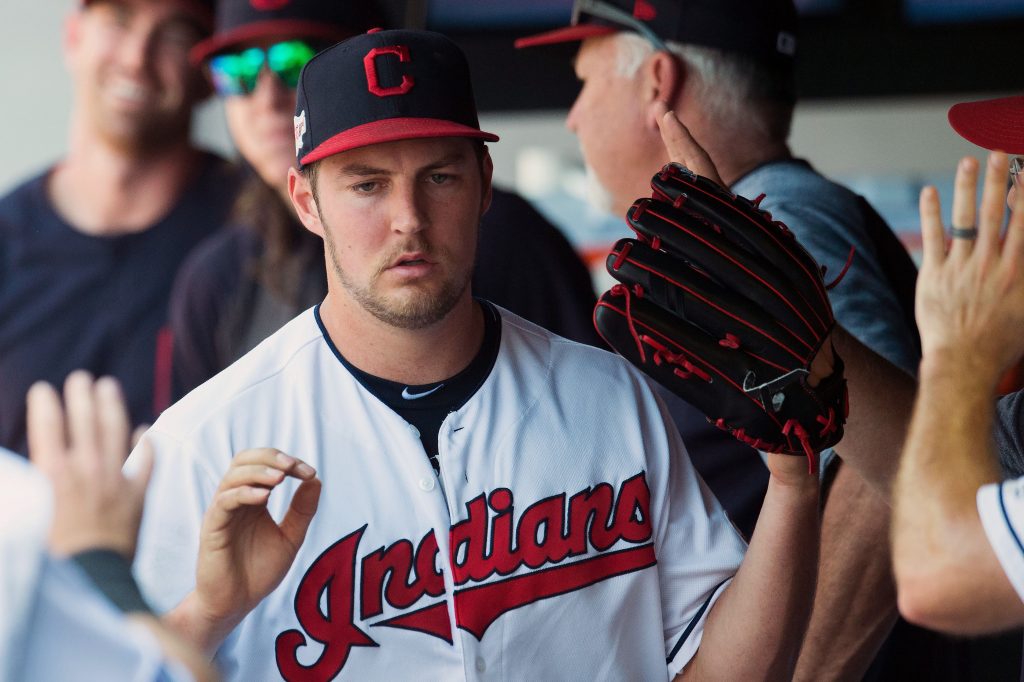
[250,380]
[19,205]
[794,183]
[564,359]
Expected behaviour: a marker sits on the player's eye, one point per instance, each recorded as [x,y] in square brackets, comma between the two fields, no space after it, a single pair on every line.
[440,178]
[365,187]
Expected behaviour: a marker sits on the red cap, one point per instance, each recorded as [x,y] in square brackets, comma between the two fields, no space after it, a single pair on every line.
[995,124]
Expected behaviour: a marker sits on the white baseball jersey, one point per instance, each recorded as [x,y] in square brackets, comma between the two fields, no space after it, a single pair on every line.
[1001,507]
[567,536]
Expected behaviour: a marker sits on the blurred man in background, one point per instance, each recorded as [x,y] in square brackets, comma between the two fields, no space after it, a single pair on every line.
[89,248]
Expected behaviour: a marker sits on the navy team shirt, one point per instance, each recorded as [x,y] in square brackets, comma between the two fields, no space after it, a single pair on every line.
[74,301]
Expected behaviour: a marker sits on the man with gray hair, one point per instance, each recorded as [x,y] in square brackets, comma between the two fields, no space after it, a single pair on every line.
[726,70]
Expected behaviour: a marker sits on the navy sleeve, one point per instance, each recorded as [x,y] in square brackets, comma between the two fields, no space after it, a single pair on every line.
[524,264]
[204,301]
[1008,434]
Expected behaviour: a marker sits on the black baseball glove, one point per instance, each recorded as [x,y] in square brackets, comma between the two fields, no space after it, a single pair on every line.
[720,304]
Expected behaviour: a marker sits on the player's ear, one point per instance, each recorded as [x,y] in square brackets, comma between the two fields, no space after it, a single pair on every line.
[300,191]
[486,173]
[662,75]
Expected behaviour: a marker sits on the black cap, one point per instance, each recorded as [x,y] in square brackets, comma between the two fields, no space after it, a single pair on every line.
[242,21]
[383,86]
[763,29]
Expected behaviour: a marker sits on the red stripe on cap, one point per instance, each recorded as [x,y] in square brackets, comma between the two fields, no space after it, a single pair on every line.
[565,35]
[391,130]
[272,28]
[996,124]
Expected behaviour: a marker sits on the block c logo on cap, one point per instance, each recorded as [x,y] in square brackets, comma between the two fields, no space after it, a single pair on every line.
[372,81]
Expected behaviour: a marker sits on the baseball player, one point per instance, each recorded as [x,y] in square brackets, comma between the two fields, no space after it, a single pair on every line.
[71,608]
[958,521]
[497,502]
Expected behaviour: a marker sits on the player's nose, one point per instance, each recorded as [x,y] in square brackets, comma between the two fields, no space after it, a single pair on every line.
[408,213]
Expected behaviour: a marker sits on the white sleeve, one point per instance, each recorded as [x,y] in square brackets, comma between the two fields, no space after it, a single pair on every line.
[179,492]
[74,633]
[1001,507]
[698,548]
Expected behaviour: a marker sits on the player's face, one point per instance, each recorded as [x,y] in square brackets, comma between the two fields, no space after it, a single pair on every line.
[608,120]
[134,85]
[261,124]
[400,222]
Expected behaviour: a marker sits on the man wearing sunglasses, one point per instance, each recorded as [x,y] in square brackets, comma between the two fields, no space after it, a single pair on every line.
[90,247]
[726,69]
[247,281]
[958,522]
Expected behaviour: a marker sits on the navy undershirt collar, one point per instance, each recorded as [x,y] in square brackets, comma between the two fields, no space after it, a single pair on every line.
[431,403]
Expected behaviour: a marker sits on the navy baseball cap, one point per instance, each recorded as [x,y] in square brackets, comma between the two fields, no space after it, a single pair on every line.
[763,29]
[383,86]
[995,124]
[242,21]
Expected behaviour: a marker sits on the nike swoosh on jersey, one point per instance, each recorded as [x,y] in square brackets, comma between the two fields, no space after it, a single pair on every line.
[416,396]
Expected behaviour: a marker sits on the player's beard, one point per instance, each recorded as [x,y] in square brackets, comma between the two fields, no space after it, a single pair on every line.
[422,306]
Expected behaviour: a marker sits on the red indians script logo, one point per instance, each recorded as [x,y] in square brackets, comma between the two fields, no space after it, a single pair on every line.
[268,5]
[372,79]
[489,542]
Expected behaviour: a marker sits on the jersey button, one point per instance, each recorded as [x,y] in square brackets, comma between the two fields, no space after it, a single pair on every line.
[481,665]
[426,484]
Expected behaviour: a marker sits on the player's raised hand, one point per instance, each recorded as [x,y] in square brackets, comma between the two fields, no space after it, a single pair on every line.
[81,447]
[243,553]
[970,297]
[681,146]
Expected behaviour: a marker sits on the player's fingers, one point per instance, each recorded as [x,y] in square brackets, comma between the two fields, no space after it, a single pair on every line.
[45,420]
[933,235]
[681,146]
[1013,249]
[270,457]
[251,475]
[993,201]
[81,410]
[226,502]
[964,212]
[301,511]
[112,419]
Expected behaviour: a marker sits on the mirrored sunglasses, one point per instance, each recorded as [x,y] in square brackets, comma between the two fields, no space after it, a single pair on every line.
[237,73]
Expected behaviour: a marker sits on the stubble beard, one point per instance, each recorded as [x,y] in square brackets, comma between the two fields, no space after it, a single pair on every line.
[419,310]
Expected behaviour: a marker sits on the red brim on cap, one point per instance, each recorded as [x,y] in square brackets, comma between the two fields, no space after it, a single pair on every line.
[568,34]
[272,28]
[995,124]
[391,130]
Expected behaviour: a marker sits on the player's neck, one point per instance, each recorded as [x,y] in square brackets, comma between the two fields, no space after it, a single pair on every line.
[100,189]
[410,356]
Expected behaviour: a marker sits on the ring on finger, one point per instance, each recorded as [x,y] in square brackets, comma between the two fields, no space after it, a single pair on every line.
[963,232]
